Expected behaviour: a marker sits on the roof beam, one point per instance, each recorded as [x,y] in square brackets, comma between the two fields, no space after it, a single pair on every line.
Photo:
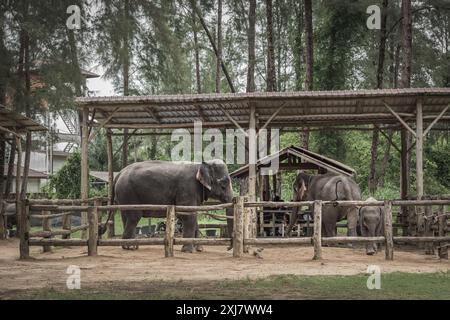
[436,120]
[273,116]
[399,118]
[228,115]
[104,123]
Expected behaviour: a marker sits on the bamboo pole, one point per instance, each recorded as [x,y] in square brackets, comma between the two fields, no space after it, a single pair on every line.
[170,232]
[84,165]
[317,237]
[389,240]
[238,227]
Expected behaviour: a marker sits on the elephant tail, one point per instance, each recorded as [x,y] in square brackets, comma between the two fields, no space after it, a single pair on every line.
[343,190]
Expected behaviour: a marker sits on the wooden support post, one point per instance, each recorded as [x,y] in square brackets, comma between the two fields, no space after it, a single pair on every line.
[238,227]
[66,225]
[3,228]
[46,226]
[443,247]
[24,230]
[419,150]
[388,235]
[404,183]
[170,232]
[93,230]
[247,230]
[317,237]
[252,159]
[24,208]
[18,175]
[110,224]
[84,166]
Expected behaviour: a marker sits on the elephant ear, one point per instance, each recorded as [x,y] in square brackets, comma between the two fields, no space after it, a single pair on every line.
[204,176]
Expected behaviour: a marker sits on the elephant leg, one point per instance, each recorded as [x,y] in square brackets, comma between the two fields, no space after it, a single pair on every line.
[130,221]
[329,218]
[190,228]
[293,218]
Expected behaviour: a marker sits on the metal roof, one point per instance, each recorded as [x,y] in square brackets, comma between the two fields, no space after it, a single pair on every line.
[18,123]
[303,155]
[32,174]
[291,109]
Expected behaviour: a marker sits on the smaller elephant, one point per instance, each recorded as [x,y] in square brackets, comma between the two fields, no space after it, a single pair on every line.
[370,224]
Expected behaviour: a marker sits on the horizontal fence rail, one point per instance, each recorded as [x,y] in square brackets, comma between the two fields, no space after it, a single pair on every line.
[243,220]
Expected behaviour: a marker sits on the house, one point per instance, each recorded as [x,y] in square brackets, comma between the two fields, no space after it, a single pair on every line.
[36,179]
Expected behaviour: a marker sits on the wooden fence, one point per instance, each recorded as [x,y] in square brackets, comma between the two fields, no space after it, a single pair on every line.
[244,234]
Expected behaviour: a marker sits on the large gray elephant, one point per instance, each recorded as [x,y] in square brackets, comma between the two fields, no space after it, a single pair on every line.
[172,183]
[328,187]
[371,224]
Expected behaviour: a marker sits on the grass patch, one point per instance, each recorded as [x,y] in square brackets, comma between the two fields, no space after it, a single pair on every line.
[399,286]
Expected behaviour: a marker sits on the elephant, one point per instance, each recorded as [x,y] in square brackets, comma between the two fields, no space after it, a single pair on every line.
[371,224]
[327,187]
[10,214]
[172,183]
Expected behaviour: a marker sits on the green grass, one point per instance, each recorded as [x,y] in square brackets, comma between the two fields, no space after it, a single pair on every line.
[393,286]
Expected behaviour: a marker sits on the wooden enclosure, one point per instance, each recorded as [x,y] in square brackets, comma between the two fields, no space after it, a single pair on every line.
[242,238]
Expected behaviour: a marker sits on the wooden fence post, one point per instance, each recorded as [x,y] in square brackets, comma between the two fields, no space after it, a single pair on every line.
[66,225]
[170,231]
[443,247]
[238,227]
[93,230]
[317,237]
[247,223]
[46,226]
[388,235]
[24,229]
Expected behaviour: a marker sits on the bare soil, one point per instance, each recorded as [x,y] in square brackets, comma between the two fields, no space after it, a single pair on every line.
[48,270]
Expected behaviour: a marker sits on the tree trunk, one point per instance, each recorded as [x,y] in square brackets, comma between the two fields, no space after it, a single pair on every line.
[251,35]
[373,161]
[386,158]
[197,54]
[309,58]
[309,61]
[380,78]
[3,230]
[271,73]
[382,46]
[126,77]
[219,46]
[299,49]
[406,44]
[9,177]
[213,44]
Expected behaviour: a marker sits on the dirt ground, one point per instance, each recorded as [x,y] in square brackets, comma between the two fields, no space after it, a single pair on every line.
[48,270]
